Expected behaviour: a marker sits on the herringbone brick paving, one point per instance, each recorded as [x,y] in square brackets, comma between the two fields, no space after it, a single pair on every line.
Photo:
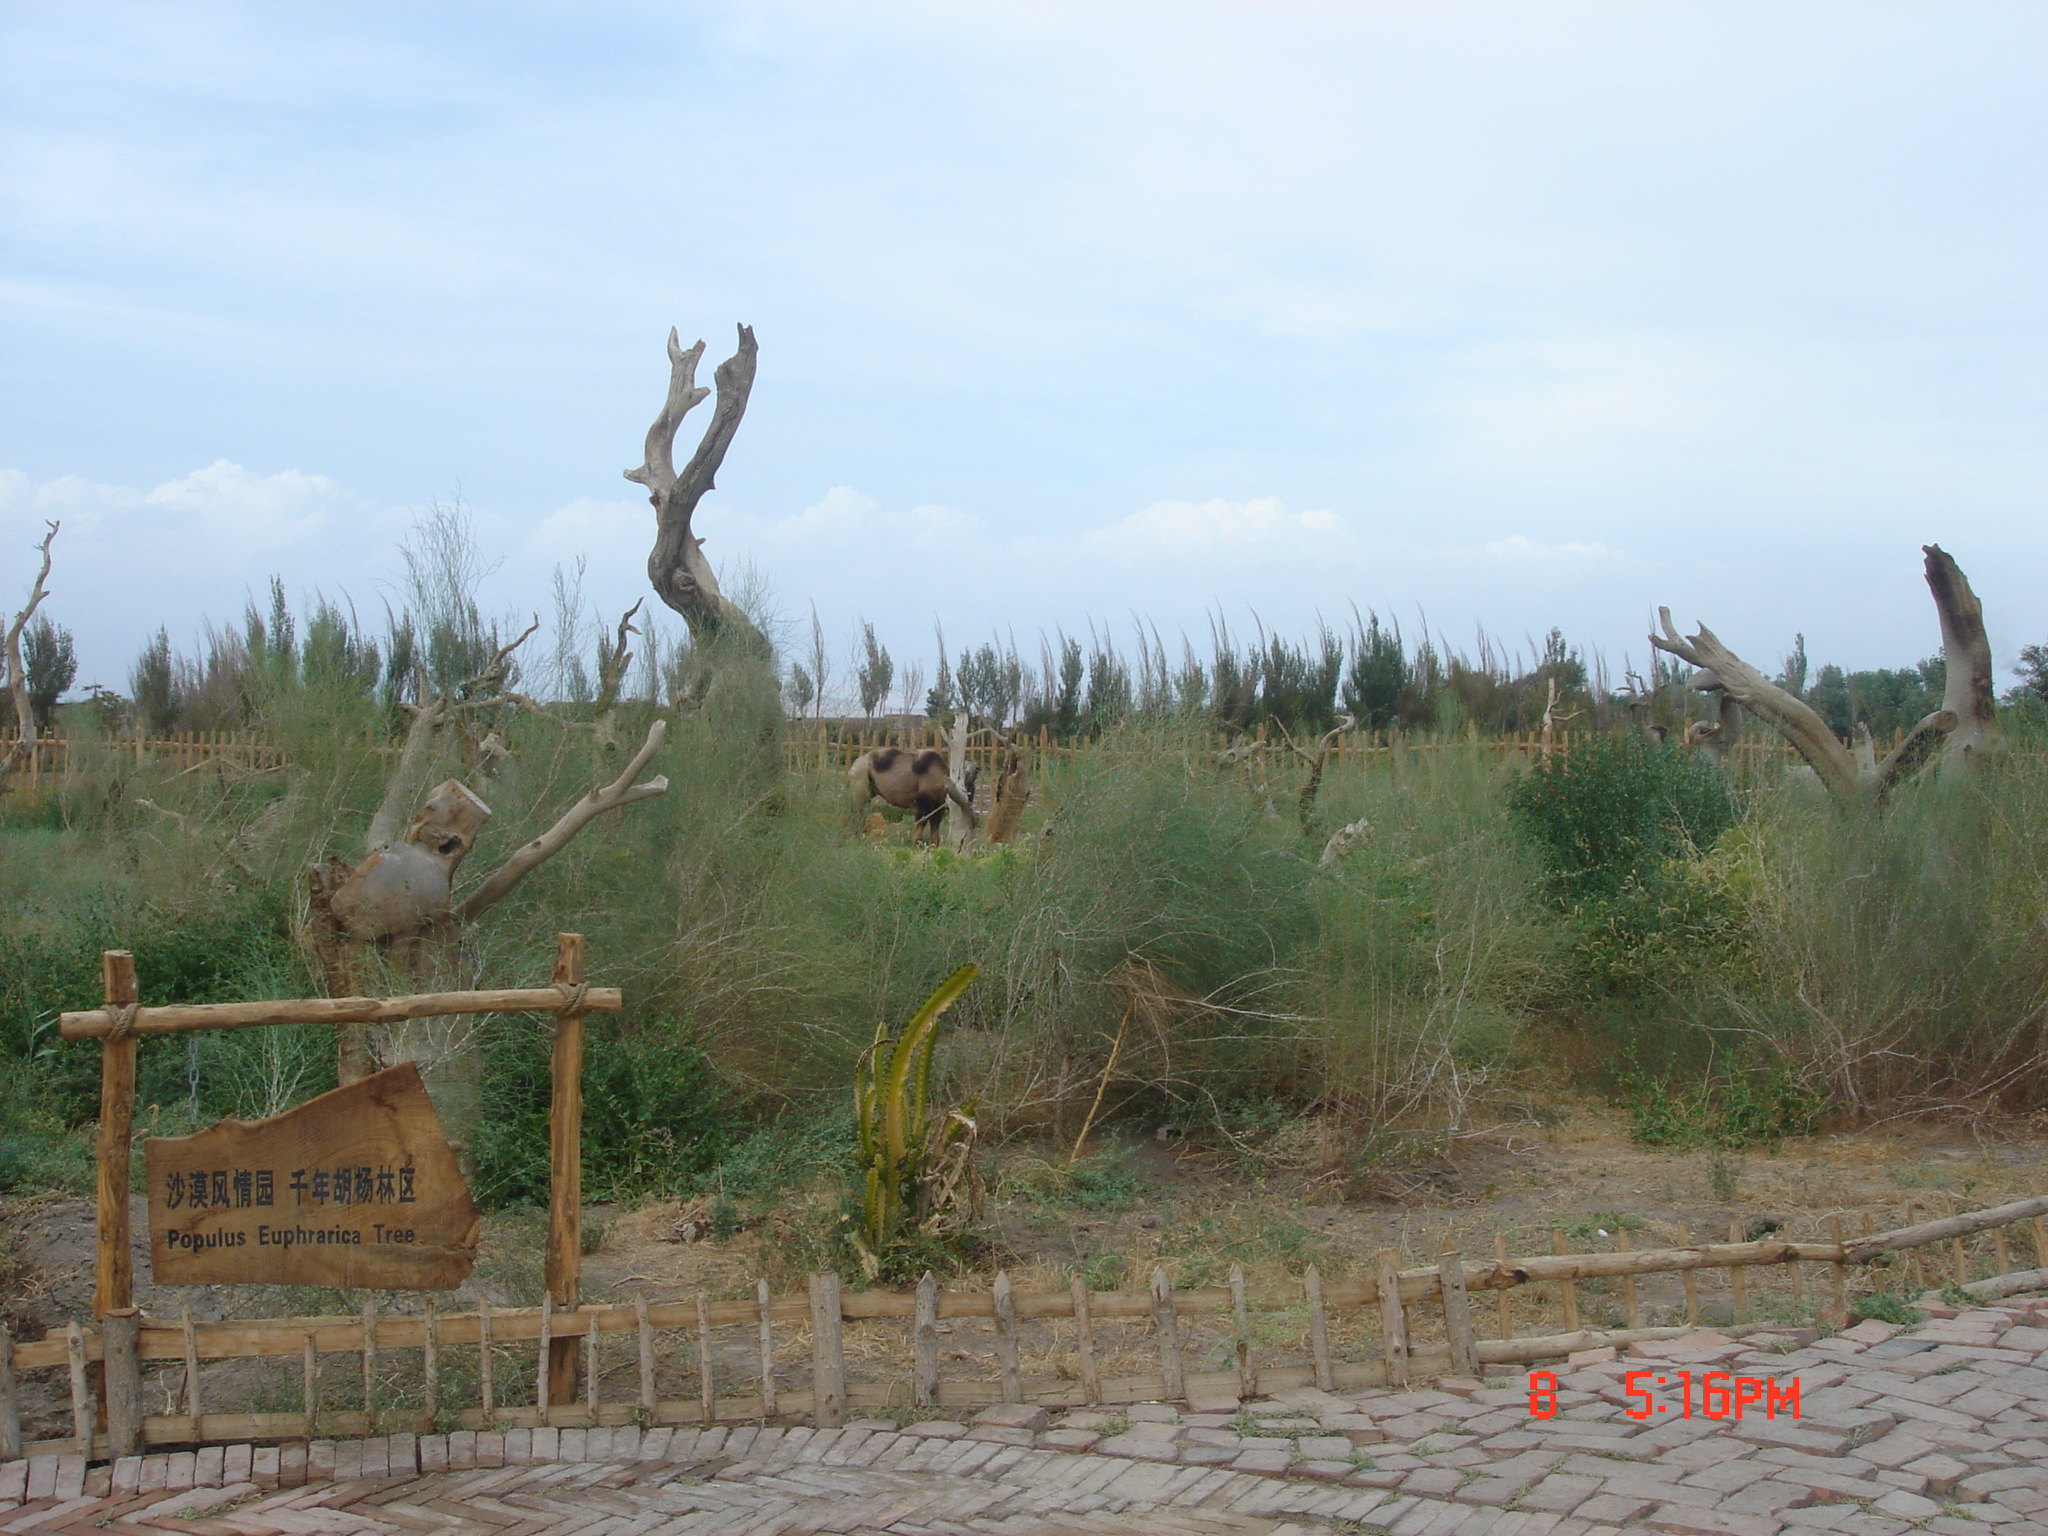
[1941,1428]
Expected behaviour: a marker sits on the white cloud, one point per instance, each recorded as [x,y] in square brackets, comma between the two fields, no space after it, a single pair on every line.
[847,521]
[236,510]
[187,551]
[1218,531]
[257,513]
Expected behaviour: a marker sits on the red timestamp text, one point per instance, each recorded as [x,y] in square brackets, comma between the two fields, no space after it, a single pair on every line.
[1717,1394]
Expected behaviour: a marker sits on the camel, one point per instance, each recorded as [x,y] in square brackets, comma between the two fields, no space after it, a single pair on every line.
[912,781]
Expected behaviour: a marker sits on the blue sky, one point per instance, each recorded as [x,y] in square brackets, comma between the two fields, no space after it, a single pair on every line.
[1508,316]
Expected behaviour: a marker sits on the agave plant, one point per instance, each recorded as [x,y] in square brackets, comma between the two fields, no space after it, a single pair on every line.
[916,1167]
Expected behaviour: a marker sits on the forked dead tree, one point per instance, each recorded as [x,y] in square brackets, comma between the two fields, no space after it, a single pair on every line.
[24,741]
[396,913]
[1305,802]
[612,659]
[1965,724]
[676,567]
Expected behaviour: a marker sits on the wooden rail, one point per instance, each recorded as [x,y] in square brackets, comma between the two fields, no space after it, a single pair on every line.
[1390,1296]
[178,1018]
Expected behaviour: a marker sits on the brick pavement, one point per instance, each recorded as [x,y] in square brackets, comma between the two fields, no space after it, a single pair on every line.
[1940,1428]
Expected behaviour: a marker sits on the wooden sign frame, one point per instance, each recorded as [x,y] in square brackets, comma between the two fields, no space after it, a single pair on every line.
[120,1021]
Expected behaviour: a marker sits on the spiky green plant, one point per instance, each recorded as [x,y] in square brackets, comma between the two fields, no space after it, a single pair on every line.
[915,1178]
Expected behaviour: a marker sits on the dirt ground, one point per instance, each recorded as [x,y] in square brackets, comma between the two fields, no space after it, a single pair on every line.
[1200,1208]
[1196,1209]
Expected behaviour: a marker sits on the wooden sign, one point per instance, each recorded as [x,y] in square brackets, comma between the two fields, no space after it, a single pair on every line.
[355,1188]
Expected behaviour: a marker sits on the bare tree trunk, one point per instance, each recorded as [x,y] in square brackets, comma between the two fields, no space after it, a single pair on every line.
[611,676]
[24,743]
[1966,654]
[1305,802]
[681,576]
[1845,779]
[1714,737]
[959,828]
[393,920]
[1013,793]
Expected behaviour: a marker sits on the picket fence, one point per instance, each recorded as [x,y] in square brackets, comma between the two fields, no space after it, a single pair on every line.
[797,1356]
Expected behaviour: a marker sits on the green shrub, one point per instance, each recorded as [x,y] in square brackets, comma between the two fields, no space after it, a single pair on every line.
[656,1117]
[1098,1182]
[1607,814]
[1759,1107]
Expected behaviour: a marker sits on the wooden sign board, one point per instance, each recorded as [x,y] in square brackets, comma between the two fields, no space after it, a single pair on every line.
[355,1188]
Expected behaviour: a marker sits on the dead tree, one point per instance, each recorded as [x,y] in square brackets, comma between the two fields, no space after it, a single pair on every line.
[1852,776]
[396,914]
[1712,738]
[1305,802]
[24,743]
[676,567]
[475,698]
[1013,791]
[612,659]
[1640,700]
[1966,655]
[1553,717]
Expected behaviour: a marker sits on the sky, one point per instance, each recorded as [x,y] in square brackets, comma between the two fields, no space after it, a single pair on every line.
[1480,316]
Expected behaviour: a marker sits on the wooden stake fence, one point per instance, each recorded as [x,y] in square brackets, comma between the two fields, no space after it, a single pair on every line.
[808,749]
[721,1395]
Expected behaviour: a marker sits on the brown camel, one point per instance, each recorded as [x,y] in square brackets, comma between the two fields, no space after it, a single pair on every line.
[912,781]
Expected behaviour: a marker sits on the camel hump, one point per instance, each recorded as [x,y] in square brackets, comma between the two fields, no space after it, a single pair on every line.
[882,759]
[929,761]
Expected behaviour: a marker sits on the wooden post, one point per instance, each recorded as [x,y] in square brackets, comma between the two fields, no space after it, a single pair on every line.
[1958,1247]
[828,1355]
[707,1381]
[1999,1256]
[430,1363]
[191,1343]
[370,1361]
[590,1368]
[1005,1301]
[1567,1288]
[543,1369]
[643,1334]
[10,1401]
[565,1171]
[1690,1281]
[1628,1282]
[1166,1322]
[309,1384]
[123,1371]
[957,830]
[1458,1328]
[1916,1271]
[114,1279]
[1503,1308]
[1084,1330]
[484,1357]
[767,1350]
[1738,1280]
[1247,1372]
[1393,1320]
[1838,1271]
[1318,1329]
[2038,1228]
[924,1339]
[82,1416]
